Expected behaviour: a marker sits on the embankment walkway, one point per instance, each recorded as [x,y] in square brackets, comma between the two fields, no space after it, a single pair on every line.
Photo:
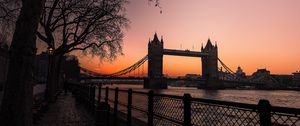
[66,112]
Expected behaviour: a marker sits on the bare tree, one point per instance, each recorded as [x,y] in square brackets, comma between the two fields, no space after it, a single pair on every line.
[17,100]
[77,33]
[91,26]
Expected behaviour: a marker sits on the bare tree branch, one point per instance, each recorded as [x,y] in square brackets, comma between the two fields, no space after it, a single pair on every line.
[9,10]
[92,26]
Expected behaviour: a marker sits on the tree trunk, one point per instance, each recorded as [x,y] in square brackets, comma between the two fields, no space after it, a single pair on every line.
[16,109]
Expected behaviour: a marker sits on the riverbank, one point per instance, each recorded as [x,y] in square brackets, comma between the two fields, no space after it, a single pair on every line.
[284,98]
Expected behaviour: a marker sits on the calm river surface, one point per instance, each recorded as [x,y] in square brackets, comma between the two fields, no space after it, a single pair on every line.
[282,98]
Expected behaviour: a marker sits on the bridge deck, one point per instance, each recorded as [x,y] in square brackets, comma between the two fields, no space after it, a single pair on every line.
[184,53]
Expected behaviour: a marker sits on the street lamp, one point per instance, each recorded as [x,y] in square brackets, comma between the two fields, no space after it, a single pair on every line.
[49,87]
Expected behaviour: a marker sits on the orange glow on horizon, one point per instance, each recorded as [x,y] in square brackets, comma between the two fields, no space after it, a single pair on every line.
[252,34]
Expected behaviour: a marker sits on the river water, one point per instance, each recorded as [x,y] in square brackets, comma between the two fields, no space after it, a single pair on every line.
[282,98]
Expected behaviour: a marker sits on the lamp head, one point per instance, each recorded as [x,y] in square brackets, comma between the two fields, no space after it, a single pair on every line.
[50,50]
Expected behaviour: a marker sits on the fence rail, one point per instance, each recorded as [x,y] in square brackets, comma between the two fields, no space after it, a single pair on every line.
[161,109]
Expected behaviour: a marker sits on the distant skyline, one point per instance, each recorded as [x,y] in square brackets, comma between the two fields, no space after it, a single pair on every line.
[253,34]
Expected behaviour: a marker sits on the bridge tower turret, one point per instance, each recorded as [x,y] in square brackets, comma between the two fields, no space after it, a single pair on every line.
[155,64]
[210,65]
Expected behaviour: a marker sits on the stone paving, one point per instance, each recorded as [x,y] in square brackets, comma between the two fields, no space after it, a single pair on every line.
[66,112]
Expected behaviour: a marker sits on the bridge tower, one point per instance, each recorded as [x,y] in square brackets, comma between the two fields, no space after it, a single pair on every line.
[155,64]
[210,65]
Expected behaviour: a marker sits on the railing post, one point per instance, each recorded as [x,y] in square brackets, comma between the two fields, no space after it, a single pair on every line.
[99,94]
[129,106]
[93,91]
[79,90]
[89,97]
[264,110]
[85,94]
[82,95]
[106,95]
[115,114]
[187,109]
[102,114]
[150,108]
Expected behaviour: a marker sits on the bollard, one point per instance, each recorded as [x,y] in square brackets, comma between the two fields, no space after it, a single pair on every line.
[102,114]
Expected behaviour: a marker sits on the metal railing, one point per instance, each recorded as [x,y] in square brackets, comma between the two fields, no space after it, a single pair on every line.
[161,109]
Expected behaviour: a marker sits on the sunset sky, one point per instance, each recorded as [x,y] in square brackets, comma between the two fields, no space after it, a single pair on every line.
[250,33]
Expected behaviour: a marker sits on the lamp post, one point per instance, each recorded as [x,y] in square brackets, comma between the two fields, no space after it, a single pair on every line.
[49,87]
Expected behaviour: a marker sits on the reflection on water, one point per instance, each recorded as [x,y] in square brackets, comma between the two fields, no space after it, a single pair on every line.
[211,94]
[276,97]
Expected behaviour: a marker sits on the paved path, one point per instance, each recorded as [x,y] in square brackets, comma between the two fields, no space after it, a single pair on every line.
[66,112]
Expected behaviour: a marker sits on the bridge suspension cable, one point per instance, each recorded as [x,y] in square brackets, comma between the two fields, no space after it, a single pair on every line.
[130,68]
[228,74]
[89,72]
[227,69]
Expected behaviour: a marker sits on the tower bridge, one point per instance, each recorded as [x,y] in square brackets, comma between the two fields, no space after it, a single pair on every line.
[154,79]
[208,55]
